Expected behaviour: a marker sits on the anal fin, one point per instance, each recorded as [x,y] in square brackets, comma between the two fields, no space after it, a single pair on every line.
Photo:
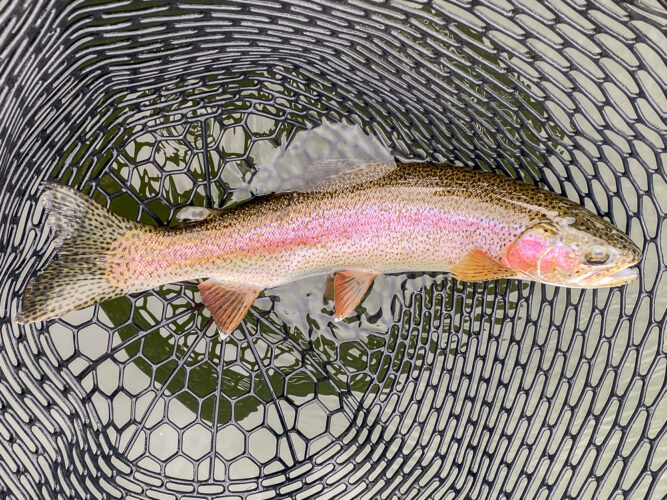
[350,287]
[227,302]
[479,266]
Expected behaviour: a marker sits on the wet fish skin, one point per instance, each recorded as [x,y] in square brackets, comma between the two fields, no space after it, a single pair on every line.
[410,220]
[416,217]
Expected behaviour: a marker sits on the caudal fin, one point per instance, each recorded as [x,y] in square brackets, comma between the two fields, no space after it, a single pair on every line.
[76,278]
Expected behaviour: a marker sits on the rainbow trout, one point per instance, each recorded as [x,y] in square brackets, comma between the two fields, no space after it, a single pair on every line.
[416,217]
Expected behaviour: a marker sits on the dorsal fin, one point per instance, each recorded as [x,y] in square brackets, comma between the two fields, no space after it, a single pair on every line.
[227,302]
[479,266]
[193,214]
[344,173]
[350,287]
[330,155]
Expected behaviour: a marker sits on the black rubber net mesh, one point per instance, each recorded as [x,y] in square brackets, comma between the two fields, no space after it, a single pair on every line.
[434,388]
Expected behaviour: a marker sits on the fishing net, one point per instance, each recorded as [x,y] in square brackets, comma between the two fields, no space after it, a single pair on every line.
[434,388]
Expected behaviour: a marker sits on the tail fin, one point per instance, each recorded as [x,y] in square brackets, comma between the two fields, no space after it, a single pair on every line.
[76,278]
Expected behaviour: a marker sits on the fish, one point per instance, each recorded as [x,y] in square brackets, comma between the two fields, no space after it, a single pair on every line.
[373,219]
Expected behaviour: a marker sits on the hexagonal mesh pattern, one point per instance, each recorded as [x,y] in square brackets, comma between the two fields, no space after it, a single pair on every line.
[436,389]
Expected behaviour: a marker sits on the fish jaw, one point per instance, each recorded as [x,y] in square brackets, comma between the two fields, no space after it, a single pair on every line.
[607,280]
[600,279]
[622,277]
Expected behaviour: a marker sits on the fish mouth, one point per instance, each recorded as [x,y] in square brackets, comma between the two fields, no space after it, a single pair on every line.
[620,277]
[597,280]
[600,280]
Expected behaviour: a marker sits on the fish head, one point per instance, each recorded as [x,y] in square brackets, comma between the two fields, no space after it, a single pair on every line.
[578,250]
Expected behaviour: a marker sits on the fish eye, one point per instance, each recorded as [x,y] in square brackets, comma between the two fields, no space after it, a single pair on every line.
[596,256]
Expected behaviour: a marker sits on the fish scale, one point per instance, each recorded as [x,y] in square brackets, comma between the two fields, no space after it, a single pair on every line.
[426,218]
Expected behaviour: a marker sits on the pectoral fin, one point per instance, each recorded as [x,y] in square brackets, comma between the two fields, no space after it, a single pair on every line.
[479,266]
[349,290]
[228,302]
